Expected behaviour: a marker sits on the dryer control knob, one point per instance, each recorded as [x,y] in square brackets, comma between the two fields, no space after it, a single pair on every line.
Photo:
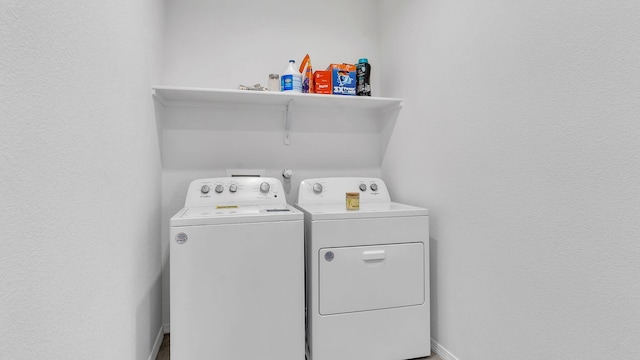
[264,187]
[233,188]
[205,189]
[317,188]
[363,187]
[374,187]
[219,189]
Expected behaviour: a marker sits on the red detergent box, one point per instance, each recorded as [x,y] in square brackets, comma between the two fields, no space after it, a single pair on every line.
[343,79]
[322,82]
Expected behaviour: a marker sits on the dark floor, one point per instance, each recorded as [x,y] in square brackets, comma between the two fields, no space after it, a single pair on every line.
[163,354]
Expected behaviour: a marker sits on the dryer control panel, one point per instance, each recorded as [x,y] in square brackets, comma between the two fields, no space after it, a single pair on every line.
[333,190]
[229,191]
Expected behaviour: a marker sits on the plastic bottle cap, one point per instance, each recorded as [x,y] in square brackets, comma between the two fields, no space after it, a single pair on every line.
[363,60]
[293,61]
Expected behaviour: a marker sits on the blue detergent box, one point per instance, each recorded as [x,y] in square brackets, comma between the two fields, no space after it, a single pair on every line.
[343,79]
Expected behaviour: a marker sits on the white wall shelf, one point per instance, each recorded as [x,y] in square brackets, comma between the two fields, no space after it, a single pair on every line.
[335,107]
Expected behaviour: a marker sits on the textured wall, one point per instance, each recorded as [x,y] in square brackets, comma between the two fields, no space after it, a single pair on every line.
[79,180]
[221,44]
[520,132]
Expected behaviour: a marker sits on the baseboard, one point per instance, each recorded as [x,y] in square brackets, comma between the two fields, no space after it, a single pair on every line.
[435,347]
[156,345]
[441,351]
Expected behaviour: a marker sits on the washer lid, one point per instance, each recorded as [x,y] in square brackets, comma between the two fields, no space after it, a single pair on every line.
[333,211]
[209,215]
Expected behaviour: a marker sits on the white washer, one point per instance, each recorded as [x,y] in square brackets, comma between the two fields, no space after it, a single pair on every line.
[367,285]
[237,283]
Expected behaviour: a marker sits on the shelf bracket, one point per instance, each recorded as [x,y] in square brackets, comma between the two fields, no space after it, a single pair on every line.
[287,122]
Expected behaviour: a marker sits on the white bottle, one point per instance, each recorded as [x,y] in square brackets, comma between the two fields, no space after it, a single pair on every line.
[291,79]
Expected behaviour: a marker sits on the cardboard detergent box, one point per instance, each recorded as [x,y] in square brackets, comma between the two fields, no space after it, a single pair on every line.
[343,79]
[322,82]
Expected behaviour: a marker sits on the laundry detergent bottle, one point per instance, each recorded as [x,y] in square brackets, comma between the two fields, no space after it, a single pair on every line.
[363,77]
[291,79]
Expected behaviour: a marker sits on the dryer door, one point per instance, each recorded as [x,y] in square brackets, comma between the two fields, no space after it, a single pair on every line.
[361,278]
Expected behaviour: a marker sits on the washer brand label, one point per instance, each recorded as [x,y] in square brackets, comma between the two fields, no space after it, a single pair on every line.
[181,238]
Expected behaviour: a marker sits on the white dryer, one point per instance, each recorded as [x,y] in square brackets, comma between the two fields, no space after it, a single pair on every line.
[367,272]
[237,272]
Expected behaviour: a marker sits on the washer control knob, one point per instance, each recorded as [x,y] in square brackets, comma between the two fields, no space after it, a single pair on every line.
[219,189]
[374,187]
[205,189]
[264,187]
[317,188]
[363,187]
[233,188]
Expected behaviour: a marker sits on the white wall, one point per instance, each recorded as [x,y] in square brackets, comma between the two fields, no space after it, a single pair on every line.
[221,44]
[79,180]
[520,132]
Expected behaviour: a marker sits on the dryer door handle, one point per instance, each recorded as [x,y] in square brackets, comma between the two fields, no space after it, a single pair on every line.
[373,255]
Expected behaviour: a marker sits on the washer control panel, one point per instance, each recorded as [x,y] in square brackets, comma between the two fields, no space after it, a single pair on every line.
[334,189]
[228,191]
